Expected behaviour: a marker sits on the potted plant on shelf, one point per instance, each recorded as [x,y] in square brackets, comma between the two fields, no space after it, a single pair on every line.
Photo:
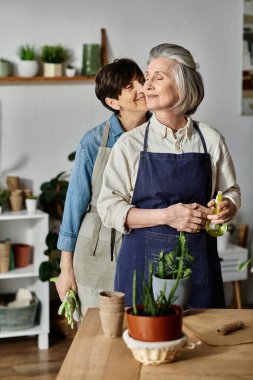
[170,266]
[5,67]
[53,58]
[31,203]
[4,196]
[70,71]
[28,66]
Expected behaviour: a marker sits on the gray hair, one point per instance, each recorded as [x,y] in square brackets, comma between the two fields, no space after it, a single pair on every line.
[188,79]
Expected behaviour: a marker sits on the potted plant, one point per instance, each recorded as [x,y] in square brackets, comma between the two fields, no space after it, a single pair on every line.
[28,66]
[157,319]
[50,268]
[31,203]
[170,266]
[53,58]
[4,196]
[5,67]
[70,71]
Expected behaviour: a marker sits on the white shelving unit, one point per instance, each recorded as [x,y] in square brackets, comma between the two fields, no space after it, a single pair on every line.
[31,229]
[230,258]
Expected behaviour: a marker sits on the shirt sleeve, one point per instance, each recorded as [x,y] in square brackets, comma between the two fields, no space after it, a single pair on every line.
[226,176]
[114,200]
[77,200]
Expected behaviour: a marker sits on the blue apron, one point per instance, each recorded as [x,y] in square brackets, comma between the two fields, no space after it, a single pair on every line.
[165,179]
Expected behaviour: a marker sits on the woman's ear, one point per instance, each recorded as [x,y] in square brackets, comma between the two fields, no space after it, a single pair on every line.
[113,103]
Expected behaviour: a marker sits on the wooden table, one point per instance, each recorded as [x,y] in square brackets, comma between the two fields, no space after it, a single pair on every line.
[93,356]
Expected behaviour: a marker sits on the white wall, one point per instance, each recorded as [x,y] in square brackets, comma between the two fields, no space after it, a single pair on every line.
[41,124]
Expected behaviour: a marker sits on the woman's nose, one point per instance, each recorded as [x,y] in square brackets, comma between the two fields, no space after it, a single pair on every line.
[148,84]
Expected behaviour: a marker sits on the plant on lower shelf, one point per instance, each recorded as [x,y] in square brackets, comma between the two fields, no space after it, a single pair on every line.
[174,266]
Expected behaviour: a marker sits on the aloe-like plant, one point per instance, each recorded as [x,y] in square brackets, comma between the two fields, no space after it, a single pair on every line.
[54,54]
[151,306]
[177,261]
[27,53]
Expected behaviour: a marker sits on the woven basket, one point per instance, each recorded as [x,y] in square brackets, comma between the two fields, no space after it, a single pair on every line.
[154,353]
[22,318]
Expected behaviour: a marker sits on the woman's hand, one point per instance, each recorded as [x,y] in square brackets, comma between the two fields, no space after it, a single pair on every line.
[187,217]
[227,211]
[66,279]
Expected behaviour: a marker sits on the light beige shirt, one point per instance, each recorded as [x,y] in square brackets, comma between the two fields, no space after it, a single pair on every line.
[121,170]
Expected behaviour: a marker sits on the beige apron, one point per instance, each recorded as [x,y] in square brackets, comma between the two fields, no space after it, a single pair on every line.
[97,246]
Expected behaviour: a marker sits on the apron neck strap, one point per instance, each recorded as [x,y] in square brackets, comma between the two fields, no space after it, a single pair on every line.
[105,134]
[145,148]
[200,135]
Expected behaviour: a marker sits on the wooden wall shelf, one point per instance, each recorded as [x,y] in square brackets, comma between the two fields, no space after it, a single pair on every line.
[41,79]
[63,79]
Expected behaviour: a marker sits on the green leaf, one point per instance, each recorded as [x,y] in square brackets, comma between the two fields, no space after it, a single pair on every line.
[45,271]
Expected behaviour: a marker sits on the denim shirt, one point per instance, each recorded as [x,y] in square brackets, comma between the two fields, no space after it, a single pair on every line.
[79,190]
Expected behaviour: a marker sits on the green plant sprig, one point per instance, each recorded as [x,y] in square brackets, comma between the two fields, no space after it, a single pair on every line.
[54,54]
[27,53]
[167,264]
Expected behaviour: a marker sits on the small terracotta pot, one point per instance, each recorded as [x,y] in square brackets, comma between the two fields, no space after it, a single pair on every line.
[155,329]
[22,254]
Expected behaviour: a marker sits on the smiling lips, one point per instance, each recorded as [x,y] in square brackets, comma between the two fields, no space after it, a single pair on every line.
[140,99]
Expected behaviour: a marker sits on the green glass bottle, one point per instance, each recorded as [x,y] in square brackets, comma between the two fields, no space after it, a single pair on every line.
[216,229]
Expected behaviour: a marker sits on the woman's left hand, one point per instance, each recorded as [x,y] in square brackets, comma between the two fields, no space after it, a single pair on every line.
[227,211]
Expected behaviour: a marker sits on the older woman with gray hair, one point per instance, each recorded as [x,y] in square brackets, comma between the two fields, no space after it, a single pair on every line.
[162,177]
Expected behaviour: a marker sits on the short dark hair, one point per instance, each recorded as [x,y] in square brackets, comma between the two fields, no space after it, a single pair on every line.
[113,77]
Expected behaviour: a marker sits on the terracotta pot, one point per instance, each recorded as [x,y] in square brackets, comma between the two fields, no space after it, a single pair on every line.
[155,329]
[22,254]
[4,257]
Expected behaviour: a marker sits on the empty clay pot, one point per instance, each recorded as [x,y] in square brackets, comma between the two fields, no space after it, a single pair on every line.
[22,254]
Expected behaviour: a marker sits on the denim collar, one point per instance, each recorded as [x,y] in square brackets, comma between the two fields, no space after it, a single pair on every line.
[116,127]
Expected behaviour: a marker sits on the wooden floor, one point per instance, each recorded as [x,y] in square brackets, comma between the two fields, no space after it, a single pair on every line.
[20,358]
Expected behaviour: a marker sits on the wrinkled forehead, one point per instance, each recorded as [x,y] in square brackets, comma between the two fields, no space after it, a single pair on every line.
[161,64]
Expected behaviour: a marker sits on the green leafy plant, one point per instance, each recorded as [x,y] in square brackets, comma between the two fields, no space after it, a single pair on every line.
[4,196]
[178,261]
[53,194]
[31,197]
[151,306]
[51,267]
[54,54]
[27,53]
[4,60]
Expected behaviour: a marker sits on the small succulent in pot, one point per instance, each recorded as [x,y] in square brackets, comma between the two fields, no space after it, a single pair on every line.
[27,53]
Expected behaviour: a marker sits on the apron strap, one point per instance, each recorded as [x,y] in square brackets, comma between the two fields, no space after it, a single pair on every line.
[200,135]
[105,134]
[145,148]
[95,235]
[93,209]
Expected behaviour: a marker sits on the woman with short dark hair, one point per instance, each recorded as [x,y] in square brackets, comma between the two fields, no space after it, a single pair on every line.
[119,86]
[161,179]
